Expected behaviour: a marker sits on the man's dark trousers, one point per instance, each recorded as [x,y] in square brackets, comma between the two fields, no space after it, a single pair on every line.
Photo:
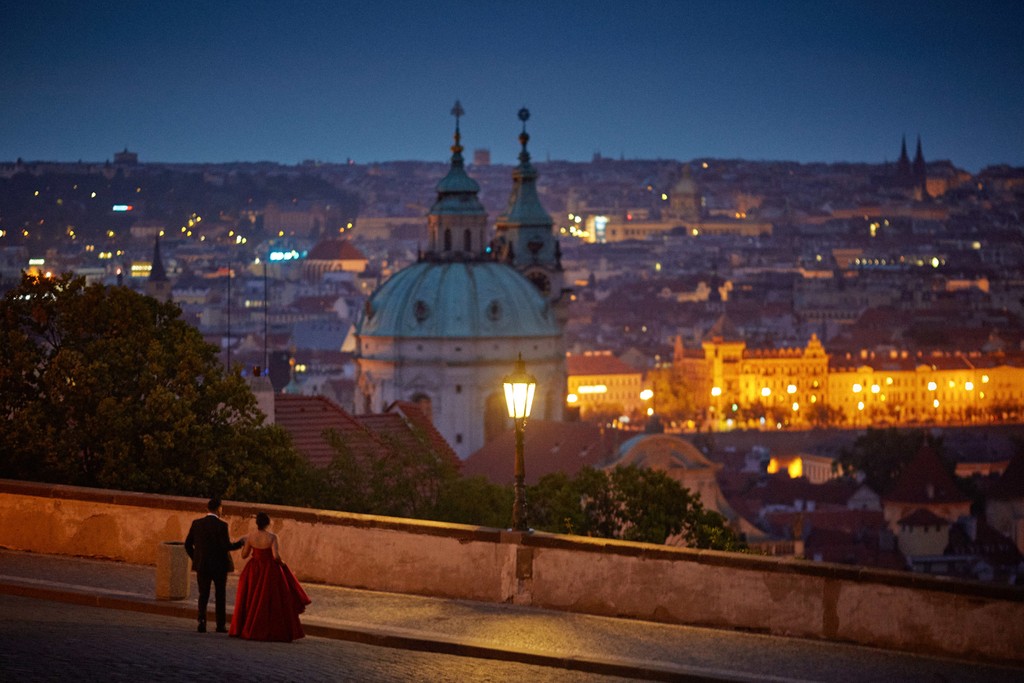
[220,584]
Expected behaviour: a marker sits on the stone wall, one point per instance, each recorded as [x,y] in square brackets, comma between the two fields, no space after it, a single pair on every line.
[895,610]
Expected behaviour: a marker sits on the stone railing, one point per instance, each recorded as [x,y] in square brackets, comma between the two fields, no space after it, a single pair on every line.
[895,610]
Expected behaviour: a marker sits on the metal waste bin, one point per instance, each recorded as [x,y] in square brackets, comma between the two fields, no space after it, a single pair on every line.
[172,571]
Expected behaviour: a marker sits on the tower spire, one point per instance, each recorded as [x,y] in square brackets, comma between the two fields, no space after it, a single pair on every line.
[457,112]
[457,222]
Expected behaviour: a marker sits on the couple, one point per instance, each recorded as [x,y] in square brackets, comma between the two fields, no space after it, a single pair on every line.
[269,598]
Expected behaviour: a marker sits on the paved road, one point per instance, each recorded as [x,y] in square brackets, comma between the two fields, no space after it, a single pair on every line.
[50,641]
[76,617]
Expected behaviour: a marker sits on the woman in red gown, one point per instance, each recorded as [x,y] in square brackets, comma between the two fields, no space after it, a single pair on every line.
[269,598]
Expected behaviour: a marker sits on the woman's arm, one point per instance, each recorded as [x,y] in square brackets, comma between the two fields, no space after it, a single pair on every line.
[277,550]
[247,548]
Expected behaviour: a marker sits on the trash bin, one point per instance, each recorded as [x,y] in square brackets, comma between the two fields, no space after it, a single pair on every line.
[172,571]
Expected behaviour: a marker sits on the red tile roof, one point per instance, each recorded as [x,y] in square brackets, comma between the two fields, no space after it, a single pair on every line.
[922,517]
[597,363]
[307,418]
[548,446]
[335,250]
[926,481]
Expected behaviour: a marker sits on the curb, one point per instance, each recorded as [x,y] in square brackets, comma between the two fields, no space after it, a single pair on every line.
[393,638]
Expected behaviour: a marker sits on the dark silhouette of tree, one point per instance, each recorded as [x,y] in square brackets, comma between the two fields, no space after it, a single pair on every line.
[630,503]
[881,455]
[103,387]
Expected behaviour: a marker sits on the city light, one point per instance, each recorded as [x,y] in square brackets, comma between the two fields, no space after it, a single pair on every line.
[716,391]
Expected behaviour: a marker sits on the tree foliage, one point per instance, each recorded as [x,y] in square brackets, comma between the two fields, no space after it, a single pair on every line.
[395,479]
[881,455]
[630,503]
[101,386]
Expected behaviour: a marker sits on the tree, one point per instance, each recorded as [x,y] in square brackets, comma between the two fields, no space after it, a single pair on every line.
[673,400]
[630,503]
[881,455]
[391,477]
[101,386]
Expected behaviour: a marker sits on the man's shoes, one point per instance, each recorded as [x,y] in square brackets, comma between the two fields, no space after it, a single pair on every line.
[221,629]
[202,627]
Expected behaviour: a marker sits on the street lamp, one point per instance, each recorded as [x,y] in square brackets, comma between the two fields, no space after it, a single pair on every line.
[519,389]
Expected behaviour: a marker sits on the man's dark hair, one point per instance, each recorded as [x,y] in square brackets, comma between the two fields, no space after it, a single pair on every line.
[214,504]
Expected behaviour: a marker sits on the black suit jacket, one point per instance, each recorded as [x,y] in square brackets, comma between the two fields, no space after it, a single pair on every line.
[209,546]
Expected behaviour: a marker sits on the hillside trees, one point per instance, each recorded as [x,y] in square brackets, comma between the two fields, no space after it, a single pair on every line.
[101,386]
[630,503]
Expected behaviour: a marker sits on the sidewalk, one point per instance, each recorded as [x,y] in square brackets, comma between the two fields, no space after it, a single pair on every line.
[616,647]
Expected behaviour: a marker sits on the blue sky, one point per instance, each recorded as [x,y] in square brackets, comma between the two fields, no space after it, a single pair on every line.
[287,81]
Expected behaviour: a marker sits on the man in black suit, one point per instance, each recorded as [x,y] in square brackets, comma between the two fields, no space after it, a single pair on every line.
[209,546]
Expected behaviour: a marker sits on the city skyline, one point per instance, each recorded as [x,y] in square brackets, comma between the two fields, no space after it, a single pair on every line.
[796,81]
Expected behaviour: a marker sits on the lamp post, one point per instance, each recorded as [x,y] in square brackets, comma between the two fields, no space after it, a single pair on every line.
[519,389]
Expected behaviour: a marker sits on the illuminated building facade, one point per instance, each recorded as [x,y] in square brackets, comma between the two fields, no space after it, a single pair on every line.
[807,387]
[598,382]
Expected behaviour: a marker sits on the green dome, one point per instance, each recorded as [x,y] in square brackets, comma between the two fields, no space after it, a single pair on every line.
[457,300]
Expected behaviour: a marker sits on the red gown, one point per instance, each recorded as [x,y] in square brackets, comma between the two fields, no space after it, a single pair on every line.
[269,600]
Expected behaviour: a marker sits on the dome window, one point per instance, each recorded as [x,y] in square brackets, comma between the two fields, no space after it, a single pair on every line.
[494,311]
[421,310]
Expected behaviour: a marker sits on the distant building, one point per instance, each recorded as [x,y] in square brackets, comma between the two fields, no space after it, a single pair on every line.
[126,158]
[743,386]
[597,381]
[444,331]
[332,255]
[481,157]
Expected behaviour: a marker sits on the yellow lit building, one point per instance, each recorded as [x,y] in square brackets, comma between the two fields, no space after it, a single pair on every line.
[598,382]
[806,387]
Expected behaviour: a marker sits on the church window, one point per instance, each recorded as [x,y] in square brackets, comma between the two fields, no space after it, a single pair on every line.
[447,239]
[421,310]
[494,311]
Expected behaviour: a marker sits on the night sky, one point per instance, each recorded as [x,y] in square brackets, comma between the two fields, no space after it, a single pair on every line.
[219,81]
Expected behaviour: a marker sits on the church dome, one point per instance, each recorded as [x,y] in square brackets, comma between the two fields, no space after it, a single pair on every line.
[468,299]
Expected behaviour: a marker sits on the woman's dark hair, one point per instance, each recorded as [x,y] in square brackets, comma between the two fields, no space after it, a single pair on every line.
[262,520]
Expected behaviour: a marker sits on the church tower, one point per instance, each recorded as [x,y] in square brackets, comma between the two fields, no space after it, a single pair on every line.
[158,285]
[524,238]
[457,222]
[443,332]
[684,202]
[920,172]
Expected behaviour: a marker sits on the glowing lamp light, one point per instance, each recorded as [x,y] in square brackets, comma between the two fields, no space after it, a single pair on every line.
[572,398]
[969,386]
[716,391]
[519,389]
[857,388]
[932,386]
[766,392]
[646,395]
[875,388]
[791,389]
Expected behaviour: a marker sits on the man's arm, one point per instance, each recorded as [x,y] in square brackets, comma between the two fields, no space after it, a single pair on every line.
[190,541]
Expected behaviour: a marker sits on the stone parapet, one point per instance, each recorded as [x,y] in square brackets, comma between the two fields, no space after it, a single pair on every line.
[895,610]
